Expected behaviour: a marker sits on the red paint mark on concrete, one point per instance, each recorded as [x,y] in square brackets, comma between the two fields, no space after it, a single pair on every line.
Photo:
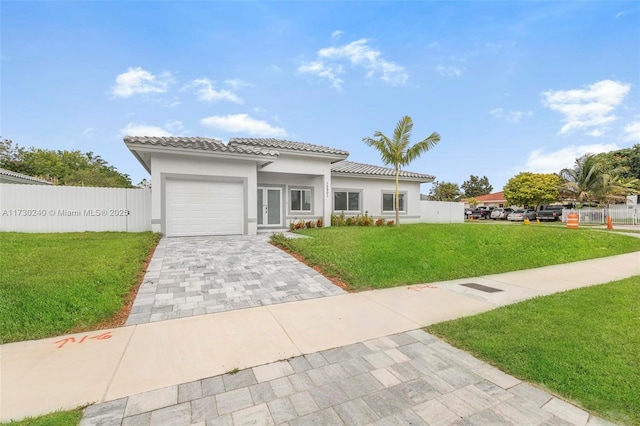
[103,336]
[419,287]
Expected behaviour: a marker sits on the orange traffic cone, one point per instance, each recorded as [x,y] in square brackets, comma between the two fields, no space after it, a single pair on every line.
[609,223]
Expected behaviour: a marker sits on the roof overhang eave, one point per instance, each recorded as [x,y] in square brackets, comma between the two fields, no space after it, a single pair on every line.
[333,157]
[388,177]
[137,148]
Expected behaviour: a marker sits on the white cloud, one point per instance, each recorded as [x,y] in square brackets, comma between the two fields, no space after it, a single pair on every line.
[336,34]
[510,116]
[89,132]
[449,71]
[633,131]
[540,161]
[588,109]
[242,123]
[236,83]
[330,72]
[174,126]
[206,92]
[134,129]
[138,81]
[358,54]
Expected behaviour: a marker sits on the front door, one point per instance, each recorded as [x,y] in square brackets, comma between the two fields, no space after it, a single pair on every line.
[269,207]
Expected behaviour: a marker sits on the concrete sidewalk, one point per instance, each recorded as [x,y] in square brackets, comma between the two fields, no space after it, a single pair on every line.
[46,375]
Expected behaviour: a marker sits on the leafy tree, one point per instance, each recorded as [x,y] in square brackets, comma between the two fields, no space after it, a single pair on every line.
[445,191]
[71,168]
[145,184]
[473,202]
[626,162]
[591,179]
[476,186]
[397,151]
[532,189]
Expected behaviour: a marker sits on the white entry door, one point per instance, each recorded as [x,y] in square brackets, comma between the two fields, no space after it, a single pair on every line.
[269,207]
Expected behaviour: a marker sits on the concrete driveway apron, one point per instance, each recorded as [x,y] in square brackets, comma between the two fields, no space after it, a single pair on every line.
[201,275]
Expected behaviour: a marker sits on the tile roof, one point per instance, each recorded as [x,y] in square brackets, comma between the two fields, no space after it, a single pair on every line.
[5,172]
[283,144]
[196,143]
[366,169]
[496,196]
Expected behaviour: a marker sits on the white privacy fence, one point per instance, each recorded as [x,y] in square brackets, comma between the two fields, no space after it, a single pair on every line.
[441,212]
[620,214]
[43,208]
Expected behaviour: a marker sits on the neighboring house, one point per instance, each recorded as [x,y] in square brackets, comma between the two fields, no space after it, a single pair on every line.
[490,200]
[203,187]
[7,176]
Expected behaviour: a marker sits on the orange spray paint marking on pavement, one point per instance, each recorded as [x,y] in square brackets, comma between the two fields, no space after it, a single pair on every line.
[419,287]
[102,336]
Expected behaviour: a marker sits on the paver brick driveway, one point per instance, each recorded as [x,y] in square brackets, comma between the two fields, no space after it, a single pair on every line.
[201,275]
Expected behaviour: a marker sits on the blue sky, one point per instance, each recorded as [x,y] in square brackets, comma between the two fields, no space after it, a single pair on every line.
[510,86]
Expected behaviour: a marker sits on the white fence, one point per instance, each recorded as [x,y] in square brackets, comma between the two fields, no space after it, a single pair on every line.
[43,208]
[441,212]
[620,214]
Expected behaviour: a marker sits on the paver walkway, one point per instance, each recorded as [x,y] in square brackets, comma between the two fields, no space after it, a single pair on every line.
[203,275]
[410,378]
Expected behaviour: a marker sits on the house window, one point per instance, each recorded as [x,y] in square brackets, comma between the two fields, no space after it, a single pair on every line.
[389,202]
[300,200]
[346,201]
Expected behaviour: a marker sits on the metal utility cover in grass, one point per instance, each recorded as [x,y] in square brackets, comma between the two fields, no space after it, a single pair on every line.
[481,287]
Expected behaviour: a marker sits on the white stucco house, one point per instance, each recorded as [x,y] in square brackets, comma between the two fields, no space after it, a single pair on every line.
[202,186]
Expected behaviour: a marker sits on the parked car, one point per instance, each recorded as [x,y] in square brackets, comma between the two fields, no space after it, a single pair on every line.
[480,213]
[501,213]
[550,213]
[522,214]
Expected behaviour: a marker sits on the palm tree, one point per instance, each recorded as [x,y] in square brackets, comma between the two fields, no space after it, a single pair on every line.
[589,181]
[397,151]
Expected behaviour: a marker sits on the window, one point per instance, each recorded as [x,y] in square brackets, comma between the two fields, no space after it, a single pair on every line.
[300,200]
[388,202]
[346,201]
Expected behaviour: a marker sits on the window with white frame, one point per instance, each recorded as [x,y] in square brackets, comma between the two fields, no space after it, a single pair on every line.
[346,201]
[300,200]
[389,202]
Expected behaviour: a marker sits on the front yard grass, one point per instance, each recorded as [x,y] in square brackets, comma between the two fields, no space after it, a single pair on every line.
[379,257]
[583,345]
[59,418]
[51,284]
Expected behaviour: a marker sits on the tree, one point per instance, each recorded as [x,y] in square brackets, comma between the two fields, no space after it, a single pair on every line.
[476,186]
[398,153]
[444,191]
[591,180]
[72,168]
[532,189]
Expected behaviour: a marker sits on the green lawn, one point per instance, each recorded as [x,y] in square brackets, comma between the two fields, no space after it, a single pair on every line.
[60,418]
[51,284]
[582,344]
[378,257]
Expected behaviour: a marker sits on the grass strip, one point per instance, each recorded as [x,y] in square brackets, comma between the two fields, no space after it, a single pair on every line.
[581,344]
[380,257]
[51,284]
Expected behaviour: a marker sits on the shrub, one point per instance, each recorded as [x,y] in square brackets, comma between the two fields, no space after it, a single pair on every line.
[319,223]
[338,220]
[390,223]
[381,222]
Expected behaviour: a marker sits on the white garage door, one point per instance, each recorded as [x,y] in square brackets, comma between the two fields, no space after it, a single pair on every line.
[204,208]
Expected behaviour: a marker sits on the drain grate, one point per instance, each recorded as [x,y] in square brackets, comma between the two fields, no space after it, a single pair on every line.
[481,287]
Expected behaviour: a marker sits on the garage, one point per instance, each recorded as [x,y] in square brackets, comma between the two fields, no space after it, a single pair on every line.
[202,207]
